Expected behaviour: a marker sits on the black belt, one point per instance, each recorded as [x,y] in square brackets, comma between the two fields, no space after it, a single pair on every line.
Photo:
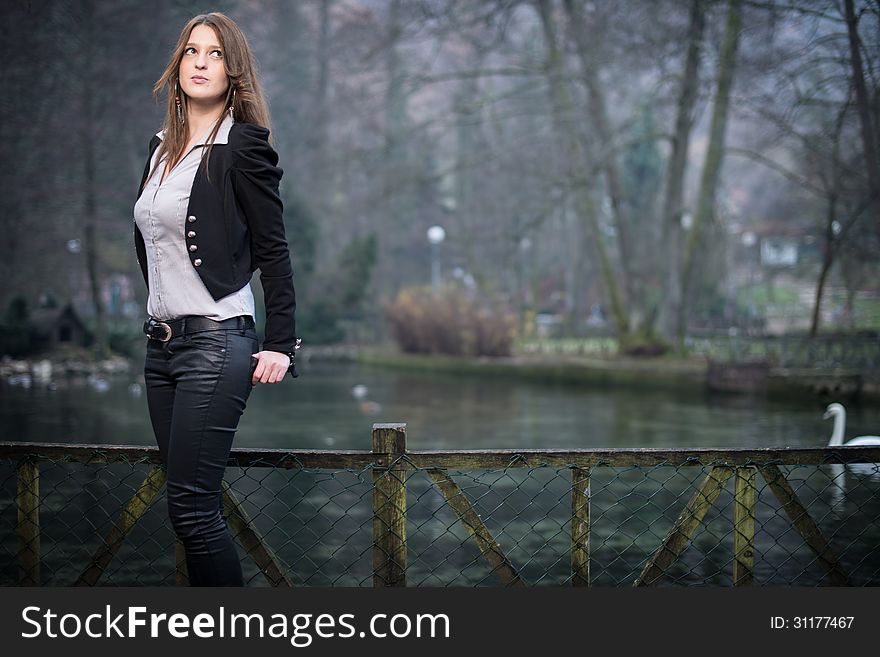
[164,331]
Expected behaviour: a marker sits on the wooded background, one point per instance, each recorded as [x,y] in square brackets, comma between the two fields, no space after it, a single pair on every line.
[615,163]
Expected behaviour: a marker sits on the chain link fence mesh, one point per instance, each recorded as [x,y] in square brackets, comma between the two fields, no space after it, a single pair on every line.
[318,524]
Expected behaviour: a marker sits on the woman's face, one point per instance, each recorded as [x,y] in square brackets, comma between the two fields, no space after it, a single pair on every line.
[202,73]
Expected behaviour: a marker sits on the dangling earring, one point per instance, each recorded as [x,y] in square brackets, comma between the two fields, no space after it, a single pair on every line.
[177,102]
[232,105]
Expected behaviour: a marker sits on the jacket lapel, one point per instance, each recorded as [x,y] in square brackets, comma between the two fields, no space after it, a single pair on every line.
[154,144]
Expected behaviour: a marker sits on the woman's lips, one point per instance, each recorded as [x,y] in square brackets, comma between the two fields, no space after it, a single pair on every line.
[199,80]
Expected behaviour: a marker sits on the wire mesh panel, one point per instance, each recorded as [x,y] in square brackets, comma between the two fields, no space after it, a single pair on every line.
[74,515]
[634,509]
[318,522]
[526,512]
[79,506]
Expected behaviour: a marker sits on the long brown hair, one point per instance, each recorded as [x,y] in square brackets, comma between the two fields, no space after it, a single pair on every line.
[241,68]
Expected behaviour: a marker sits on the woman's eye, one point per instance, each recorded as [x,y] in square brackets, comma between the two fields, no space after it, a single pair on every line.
[216,54]
[189,51]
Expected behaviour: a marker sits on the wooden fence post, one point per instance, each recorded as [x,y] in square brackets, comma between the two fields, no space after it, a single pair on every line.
[744,526]
[28,503]
[580,527]
[389,505]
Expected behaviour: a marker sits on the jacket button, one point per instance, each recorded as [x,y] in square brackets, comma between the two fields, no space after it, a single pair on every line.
[197,262]
[191,233]
[191,218]
[193,247]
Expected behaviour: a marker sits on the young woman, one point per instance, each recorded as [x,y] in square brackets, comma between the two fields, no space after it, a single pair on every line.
[209,214]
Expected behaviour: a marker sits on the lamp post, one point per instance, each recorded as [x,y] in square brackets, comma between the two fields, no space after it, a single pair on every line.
[526,300]
[436,235]
[749,239]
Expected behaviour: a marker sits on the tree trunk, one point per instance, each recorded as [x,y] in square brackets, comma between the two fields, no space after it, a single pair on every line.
[395,99]
[827,261]
[563,120]
[91,248]
[395,200]
[673,201]
[469,147]
[321,110]
[599,118]
[714,155]
[869,141]
[832,241]
[851,307]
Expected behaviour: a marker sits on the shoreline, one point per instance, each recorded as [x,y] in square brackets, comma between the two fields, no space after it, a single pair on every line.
[675,373]
[695,375]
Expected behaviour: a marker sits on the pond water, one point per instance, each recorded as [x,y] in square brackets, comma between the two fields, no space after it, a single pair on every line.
[320,411]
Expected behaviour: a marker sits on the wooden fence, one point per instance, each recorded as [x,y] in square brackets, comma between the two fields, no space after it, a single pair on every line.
[390,462]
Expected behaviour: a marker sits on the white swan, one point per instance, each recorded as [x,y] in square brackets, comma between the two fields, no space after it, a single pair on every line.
[838,412]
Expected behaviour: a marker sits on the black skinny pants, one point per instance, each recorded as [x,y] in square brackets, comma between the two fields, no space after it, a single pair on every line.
[197,389]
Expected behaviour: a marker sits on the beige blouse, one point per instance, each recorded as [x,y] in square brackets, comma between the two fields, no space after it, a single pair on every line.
[160,213]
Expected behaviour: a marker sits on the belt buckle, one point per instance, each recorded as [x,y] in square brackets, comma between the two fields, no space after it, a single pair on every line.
[154,325]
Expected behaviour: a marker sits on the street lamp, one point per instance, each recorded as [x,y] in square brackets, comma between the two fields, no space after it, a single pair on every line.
[436,235]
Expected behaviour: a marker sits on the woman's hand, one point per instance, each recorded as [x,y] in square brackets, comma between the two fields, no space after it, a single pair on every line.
[271,367]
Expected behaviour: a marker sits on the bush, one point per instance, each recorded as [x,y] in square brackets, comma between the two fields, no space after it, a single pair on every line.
[452,323]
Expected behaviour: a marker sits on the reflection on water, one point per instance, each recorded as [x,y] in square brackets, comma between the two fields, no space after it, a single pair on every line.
[334,406]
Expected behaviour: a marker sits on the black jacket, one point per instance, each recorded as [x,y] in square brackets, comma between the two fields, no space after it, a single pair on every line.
[238,225]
